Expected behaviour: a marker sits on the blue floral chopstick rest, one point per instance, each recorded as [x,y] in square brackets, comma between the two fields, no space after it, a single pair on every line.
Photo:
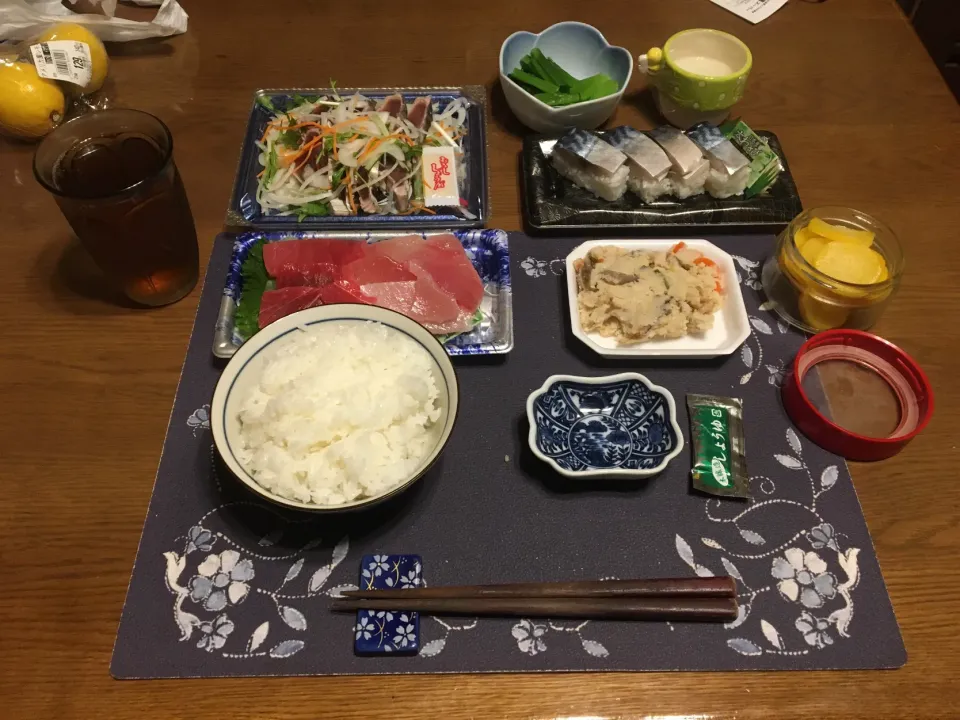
[378,631]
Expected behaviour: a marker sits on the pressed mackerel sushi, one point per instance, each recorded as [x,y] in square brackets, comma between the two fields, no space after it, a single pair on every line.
[647,161]
[729,168]
[690,168]
[591,163]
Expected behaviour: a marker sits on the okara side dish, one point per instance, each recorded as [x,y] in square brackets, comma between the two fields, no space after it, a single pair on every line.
[638,295]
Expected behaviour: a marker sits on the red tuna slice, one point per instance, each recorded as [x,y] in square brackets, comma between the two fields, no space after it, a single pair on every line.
[443,257]
[446,241]
[432,307]
[308,260]
[344,292]
[399,249]
[276,304]
[376,269]
[396,296]
[315,275]
[453,272]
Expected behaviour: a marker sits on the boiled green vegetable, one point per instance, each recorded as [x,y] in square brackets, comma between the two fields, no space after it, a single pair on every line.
[551,84]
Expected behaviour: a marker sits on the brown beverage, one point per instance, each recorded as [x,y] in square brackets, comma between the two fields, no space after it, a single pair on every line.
[114,178]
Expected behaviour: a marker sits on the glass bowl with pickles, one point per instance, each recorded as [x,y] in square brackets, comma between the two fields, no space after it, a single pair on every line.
[833,267]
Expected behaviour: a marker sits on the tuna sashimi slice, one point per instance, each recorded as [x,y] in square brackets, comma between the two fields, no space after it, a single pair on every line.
[299,258]
[443,257]
[453,272]
[344,291]
[396,296]
[446,241]
[432,307]
[376,269]
[276,304]
[315,274]
[399,249]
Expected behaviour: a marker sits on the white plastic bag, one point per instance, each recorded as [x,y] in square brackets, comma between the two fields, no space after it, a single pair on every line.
[22,19]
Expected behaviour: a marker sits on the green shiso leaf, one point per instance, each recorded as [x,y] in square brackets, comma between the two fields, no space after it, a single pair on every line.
[255,283]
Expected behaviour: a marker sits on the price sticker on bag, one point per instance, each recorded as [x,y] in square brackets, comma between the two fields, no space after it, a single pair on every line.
[66,60]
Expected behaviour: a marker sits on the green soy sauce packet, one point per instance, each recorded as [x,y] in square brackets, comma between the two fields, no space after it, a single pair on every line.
[719,452]
[765,165]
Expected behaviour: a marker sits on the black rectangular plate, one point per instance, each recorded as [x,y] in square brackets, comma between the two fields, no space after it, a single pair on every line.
[554,205]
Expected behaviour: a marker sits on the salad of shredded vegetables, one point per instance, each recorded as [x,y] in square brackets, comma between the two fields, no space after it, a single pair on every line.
[333,155]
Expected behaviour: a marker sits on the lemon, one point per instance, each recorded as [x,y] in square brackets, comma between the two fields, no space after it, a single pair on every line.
[98,53]
[840,232]
[30,106]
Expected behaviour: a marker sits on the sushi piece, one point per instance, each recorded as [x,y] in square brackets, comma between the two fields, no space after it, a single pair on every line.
[690,168]
[589,162]
[648,163]
[729,168]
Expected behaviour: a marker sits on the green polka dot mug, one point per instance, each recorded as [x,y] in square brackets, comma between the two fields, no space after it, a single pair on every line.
[698,75]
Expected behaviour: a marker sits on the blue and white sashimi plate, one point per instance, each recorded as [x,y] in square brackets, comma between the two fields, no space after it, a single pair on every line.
[488,250]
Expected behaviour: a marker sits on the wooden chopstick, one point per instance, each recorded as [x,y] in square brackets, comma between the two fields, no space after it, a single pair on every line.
[644,588]
[703,609]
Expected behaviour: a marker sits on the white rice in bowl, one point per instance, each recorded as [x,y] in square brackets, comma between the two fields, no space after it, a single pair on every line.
[340,411]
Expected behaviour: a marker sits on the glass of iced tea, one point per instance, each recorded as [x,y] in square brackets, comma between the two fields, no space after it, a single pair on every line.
[113,176]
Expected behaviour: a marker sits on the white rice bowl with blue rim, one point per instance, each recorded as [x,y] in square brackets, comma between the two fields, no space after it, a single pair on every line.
[336,412]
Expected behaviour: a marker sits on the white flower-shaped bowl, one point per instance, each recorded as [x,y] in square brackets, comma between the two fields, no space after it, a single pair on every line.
[582,51]
[246,365]
[731,325]
[618,426]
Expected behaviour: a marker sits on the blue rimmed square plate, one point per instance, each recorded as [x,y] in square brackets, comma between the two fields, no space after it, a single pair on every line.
[380,631]
[245,211]
[488,250]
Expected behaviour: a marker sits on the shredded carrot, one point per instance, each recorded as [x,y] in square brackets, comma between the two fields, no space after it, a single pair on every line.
[353,205]
[678,247]
[351,122]
[705,261]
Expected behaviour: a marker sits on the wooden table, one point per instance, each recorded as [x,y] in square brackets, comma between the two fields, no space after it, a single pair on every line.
[87,385]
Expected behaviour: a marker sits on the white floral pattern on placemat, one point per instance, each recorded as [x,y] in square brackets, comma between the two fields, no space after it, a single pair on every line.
[210,589]
[809,569]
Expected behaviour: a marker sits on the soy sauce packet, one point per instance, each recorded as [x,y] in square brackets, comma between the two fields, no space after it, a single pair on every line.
[765,165]
[719,451]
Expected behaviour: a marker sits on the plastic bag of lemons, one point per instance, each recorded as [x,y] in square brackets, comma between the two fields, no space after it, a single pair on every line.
[41,78]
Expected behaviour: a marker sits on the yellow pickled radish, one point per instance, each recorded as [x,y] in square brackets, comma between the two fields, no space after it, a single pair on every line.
[813,248]
[802,236]
[850,263]
[840,232]
[821,315]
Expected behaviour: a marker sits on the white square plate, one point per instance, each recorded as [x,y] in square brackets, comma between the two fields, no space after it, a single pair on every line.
[730,327]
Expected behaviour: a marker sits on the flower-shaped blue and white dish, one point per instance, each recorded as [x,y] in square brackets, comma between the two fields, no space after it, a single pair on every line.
[619,426]
[731,325]
[581,50]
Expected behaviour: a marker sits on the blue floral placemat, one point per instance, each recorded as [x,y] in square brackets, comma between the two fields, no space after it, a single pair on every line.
[225,585]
